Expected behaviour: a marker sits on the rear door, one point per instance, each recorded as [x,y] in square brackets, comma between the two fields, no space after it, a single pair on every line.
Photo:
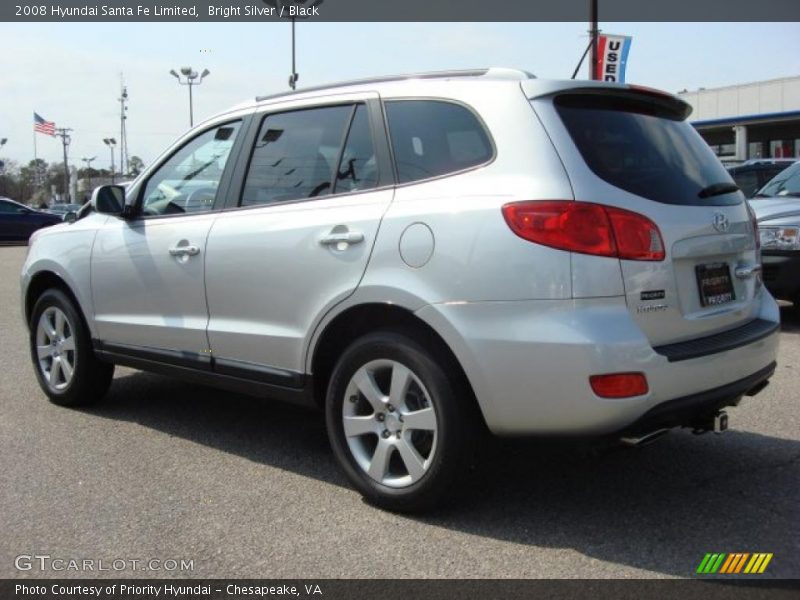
[299,236]
[635,150]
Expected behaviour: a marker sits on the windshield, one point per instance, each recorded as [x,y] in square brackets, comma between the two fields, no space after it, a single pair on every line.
[785,183]
[648,150]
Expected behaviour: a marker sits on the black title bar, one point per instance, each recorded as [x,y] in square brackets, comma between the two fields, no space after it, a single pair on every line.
[396,10]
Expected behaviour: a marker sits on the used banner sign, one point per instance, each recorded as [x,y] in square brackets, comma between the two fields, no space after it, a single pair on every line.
[612,56]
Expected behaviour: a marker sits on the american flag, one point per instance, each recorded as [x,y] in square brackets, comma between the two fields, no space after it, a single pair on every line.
[42,126]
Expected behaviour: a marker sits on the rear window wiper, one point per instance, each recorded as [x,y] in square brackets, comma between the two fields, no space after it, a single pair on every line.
[716,189]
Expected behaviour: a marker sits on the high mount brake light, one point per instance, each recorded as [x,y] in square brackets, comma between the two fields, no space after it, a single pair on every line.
[586,228]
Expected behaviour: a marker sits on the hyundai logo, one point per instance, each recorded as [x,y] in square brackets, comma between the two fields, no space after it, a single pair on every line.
[721,222]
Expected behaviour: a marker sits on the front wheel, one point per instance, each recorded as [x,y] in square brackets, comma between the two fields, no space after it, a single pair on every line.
[61,350]
[401,427]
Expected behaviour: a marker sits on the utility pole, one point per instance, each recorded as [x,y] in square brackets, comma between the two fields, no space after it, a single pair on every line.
[593,33]
[124,158]
[63,133]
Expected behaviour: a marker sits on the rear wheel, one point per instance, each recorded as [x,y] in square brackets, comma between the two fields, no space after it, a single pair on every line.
[65,364]
[398,423]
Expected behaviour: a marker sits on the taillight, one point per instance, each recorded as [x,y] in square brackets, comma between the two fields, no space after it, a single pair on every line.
[586,228]
[619,385]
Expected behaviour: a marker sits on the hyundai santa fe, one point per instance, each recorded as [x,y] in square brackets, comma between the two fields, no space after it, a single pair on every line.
[425,257]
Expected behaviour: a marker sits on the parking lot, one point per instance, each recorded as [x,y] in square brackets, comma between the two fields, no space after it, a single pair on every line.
[249,488]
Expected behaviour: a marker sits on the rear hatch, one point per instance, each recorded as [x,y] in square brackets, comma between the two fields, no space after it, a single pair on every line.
[633,149]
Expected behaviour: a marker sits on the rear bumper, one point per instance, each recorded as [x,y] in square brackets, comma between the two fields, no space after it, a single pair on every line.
[782,274]
[695,409]
[529,364]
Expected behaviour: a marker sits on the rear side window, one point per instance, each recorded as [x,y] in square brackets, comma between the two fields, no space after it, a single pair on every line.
[433,137]
[644,148]
[295,155]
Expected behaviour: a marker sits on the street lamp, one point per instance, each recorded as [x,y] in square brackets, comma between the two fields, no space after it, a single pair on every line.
[88,162]
[111,142]
[192,79]
[3,142]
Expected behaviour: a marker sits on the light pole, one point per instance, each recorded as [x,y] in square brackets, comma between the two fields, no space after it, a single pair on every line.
[111,142]
[88,162]
[192,79]
[293,10]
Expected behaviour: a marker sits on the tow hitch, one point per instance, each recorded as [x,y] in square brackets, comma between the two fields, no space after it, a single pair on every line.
[717,423]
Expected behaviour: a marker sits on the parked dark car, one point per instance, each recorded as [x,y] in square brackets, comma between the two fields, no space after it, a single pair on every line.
[752,175]
[18,222]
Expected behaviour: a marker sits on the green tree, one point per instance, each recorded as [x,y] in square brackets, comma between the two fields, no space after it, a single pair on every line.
[136,166]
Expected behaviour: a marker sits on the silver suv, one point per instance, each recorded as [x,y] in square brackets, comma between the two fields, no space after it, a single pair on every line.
[425,257]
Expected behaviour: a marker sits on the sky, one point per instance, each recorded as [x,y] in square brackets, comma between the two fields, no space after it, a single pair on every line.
[70,72]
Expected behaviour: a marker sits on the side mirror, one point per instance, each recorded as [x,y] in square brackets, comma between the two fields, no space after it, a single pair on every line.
[70,217]
[24,211]
[109,200]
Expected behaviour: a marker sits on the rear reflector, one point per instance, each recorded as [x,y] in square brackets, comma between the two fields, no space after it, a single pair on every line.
[619,385]
[586,228]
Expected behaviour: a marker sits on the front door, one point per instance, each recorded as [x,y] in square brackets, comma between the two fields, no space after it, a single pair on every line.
[148,279]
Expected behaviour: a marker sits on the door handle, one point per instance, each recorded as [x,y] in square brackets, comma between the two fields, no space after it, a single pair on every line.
[346,237]
[187,250]
[745,271]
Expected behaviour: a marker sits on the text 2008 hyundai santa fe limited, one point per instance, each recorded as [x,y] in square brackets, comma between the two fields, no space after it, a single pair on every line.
[424,257]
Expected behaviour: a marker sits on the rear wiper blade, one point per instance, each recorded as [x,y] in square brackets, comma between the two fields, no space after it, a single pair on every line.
[716,189]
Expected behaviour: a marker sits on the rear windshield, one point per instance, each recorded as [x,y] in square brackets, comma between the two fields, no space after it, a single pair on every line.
[645,148]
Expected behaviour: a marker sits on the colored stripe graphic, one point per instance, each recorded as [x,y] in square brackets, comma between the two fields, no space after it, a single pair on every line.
[733,563]
[740,564]
[765,563]
[703,563]
[728,562]
[717,564]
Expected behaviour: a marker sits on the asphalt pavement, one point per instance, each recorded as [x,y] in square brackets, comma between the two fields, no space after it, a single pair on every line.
[248,488]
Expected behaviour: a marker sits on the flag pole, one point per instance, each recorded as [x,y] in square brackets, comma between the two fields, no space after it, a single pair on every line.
[35,163]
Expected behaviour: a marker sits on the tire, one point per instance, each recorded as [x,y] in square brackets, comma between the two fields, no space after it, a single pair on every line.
[58,329]
[410,456]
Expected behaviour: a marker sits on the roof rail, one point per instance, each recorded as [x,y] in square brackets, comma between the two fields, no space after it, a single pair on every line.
[493,73]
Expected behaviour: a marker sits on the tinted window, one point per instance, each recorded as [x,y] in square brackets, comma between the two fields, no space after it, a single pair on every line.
[295,155]
[431,138]
[747,180]
[642,148]
[785,183]
[188,181]
[8,207]
[358,169]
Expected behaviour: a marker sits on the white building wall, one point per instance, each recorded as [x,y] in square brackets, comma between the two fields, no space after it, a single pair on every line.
[774,96]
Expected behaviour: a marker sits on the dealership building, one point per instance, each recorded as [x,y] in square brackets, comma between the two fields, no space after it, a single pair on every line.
[751,120]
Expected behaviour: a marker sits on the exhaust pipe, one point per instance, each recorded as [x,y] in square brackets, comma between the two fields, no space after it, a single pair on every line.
[644,439]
